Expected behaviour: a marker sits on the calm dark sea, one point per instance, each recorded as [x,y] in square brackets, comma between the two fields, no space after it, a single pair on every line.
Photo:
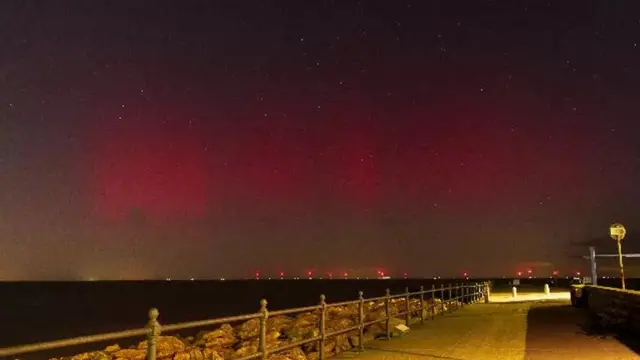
[41,311]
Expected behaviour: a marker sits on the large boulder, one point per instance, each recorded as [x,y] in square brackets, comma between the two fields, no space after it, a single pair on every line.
[251,328]
[166,346]
[191,353]
[223,337]
[93,355]
[210,354]
[354,338]
[292,354]
[130,354]
[303,327]
[374,331]
[251,346]
[340,324]
[248,329]
[112,348]
[338,312]
[279,323]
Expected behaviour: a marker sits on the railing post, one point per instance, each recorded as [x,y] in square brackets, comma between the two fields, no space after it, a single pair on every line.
[432,307]
[486,292]
[449,301]
[472,293]
[262,341]
[442,298]
[323,315]
[421,304]
[477,291]
[463,295]
[407,316]
[153,326]
[387,306]
[361,319]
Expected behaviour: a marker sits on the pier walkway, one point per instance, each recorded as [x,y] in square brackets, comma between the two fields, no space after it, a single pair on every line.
[534,329]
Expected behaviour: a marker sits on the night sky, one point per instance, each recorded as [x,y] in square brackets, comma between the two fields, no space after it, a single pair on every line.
[153,139]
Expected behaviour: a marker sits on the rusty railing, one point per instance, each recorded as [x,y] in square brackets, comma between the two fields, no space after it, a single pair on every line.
[457,294]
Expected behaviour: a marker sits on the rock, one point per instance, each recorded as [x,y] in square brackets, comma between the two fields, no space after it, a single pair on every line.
[305,320]
[375,330]
[94,355]
[248,329]
[341,343]
[112,348]
[292,354]
[166,346]
[313,355]
[222,337]
[338,312]
[209,354]
[130,354]
[191,353]
[375,315]
[278,323]
[340,324]
[304,326]
[250,347]
[251,328]
[354,338]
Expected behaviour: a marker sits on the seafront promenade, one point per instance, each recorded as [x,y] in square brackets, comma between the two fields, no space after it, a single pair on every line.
[530,326]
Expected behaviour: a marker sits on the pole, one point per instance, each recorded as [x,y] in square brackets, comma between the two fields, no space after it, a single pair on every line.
[594,272]
[624,287]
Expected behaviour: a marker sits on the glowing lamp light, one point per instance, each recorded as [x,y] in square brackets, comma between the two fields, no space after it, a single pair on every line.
[519,273]
[345,274]
[578,273]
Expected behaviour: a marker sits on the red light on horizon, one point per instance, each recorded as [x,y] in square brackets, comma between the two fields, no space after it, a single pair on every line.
[281,273]
[519,273]
[345,274]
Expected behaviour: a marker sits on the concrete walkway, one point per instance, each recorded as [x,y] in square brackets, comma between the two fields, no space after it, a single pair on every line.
[548,330]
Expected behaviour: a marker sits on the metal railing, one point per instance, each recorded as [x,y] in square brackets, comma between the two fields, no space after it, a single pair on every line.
[457,294]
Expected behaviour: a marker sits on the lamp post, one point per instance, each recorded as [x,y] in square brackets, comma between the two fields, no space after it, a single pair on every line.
[617,232]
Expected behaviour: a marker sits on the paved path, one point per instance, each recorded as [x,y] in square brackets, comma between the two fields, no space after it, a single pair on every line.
[542,330]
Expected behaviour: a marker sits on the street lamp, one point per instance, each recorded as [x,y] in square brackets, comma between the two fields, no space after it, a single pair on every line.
[617,232]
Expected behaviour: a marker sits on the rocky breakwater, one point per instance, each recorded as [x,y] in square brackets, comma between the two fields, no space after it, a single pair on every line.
[235,342]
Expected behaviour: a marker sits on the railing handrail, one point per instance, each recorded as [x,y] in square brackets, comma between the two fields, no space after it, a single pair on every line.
[152,329]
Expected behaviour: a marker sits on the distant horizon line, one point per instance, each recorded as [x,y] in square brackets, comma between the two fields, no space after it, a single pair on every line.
[302,279]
